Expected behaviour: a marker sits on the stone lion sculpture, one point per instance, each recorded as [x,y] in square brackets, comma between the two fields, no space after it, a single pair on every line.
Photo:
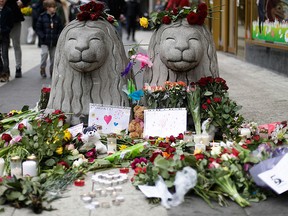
[88,63]
[181,52]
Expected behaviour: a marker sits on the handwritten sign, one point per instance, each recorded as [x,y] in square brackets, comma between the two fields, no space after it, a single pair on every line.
[76,129]
[277,177]
[113,119]
[165,122]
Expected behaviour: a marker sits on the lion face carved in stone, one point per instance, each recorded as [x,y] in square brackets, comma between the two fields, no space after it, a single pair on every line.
[82,45]
[89,59]
[181,52]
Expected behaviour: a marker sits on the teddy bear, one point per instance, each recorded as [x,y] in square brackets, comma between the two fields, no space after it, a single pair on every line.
[91,139]
[136,126]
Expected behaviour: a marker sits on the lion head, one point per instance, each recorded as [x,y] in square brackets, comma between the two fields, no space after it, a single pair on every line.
[181,52]
[88,63]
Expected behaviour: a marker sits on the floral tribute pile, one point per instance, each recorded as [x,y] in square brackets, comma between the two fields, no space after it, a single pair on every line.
[222,169]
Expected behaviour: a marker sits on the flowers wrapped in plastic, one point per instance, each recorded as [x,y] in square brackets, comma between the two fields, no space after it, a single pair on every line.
[193,99]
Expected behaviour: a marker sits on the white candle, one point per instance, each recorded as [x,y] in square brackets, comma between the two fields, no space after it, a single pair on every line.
[29,168]
[2,166]
[112,144]
[205,139]
[246,132]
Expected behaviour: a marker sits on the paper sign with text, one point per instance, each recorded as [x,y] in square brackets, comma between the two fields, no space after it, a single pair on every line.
[76,129]
[165,122]
[113,119]
[277,177]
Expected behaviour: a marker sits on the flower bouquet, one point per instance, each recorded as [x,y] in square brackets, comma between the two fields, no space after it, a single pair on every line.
[193,100]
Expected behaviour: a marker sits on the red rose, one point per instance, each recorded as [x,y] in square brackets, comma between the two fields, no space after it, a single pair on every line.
[21,127]
[155,154]
[175,11]
[202,7]
[48,120]
[64,164]
[192,18]
[219,80]
[110,19]
[199,156]
[86,7]
[204,106]
[170,150]
[45,90]
[98,6]
[57,112]
[217,99]
[200,20]
[6,137]
[182,157]
[235,152]
[180,136]
[208,101]
[95,16]
[256,138]
[83,16]
[172,139]
[166,19]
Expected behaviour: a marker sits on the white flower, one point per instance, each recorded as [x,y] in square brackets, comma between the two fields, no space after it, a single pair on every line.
[216,150]
[225,157]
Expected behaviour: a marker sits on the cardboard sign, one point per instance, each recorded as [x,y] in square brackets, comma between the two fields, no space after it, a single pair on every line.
[113,119]
[277,177]
[165,122]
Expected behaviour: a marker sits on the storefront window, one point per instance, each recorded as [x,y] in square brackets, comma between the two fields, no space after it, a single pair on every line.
[270,21]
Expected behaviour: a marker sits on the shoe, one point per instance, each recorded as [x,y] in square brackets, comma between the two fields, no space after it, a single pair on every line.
[4,78]
[43,73]
[18,73]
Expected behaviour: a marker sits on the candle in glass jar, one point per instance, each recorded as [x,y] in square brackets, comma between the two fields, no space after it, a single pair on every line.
[15,166]
[111,143]
[188,136]
[2,166]
[197,138]
[205,139]
[29,168]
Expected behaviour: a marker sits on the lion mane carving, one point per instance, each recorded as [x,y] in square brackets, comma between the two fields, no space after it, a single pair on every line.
[181,52]
[88,63]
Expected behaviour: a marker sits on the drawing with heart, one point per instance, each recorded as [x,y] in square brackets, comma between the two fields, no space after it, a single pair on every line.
[107,118]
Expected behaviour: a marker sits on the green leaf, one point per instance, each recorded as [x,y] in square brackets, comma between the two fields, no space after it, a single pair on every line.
[50,162]
[13,195]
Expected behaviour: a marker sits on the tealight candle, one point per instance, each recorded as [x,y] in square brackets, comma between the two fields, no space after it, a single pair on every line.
[79,182]
[29,168]
[2,166]
[246,132]
[120,198]
[86,199]
[111,143]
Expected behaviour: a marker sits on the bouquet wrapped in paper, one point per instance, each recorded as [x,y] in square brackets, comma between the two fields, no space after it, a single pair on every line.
[193,99]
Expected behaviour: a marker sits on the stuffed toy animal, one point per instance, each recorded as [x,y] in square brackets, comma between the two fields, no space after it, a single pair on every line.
[136,126]
[91,139]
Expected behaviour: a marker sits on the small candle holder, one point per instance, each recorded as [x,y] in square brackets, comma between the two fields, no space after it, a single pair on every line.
[188,136]
[111,143]
[16,166]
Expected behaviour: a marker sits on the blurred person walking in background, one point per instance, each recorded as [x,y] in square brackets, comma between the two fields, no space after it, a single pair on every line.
[117,9]
[6,24]
[15,33]
[132,16]
[48,29]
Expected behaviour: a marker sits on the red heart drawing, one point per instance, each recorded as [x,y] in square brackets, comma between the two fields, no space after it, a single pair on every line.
[107,118]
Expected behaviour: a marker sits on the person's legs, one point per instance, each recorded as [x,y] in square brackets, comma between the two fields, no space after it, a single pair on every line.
[5,58]
[51,54]
[15,36]
[44,57]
